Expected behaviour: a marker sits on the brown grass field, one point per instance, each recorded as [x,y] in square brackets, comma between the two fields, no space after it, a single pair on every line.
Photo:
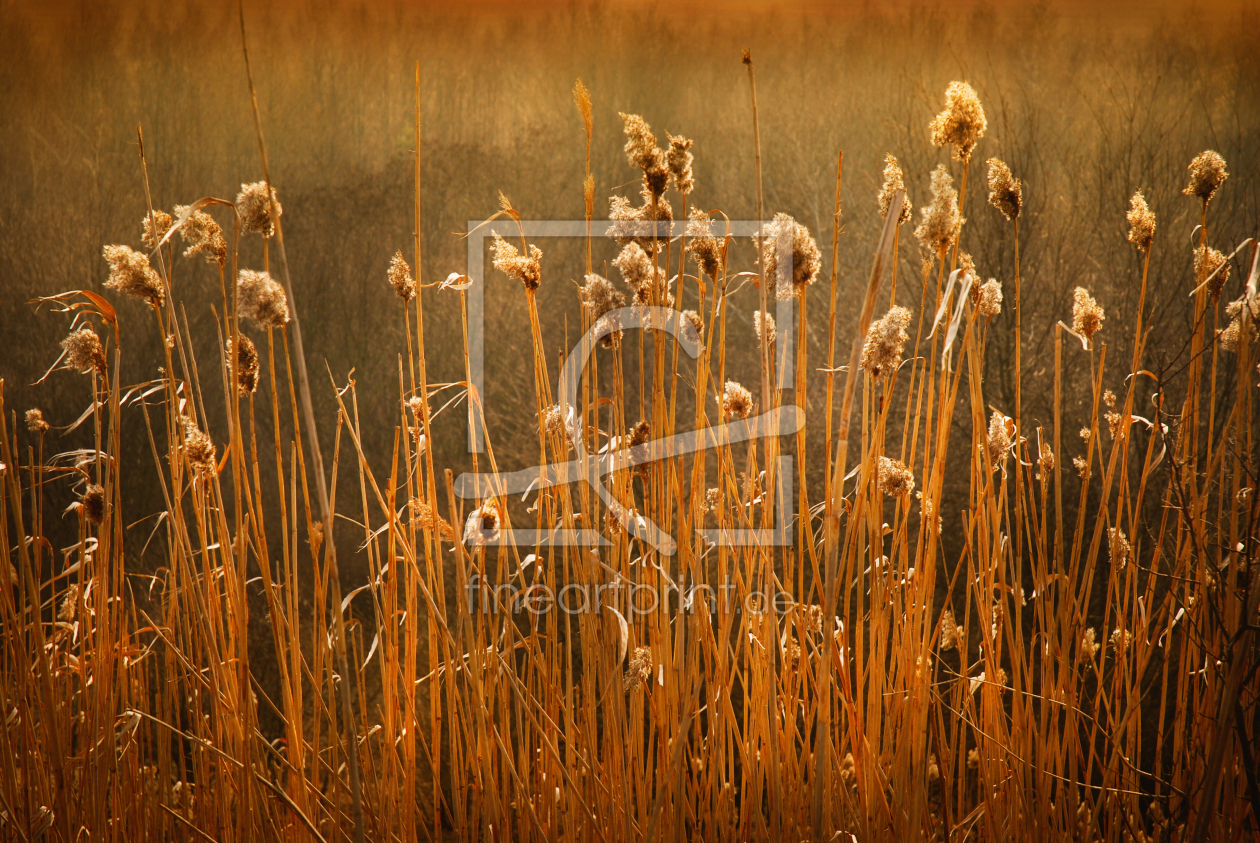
[1016,589]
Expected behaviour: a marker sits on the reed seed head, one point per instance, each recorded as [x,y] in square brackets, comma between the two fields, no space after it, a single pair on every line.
[895,480]
[600,298]
[35,421]
[69,604]
[692,326]
[430,520]
[940,222]
[1141,222]
[527,270]
[200,450]
[1206,262]
[1207,174]
[1089,643]
[246,365]
[1121,550]
[400,277]
[84,351]
[92,503]
[582,99]
[931,518]
[1001,430]
[806,259]
[990,303]
[255,210]
[764,327]
[260,298]
[894,180]
[1006,193]
[482,527]
[962,124]
[639,669]
[712,500]
[555,423]
[737,402]
[1045,459]
[885,342]
[131,274]
[154,228]
[1087,316]
[950,635]
[703,245]
[1232,335]
[638,270]
[649,225]
[679,159]
[203,236]
[642,152]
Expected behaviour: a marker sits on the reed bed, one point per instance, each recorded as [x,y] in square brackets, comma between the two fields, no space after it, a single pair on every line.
[1081,672]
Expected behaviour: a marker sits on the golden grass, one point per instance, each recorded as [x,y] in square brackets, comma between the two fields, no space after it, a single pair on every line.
[1088,681]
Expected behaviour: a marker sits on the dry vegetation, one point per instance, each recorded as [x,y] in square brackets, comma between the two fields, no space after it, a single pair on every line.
[1020,597]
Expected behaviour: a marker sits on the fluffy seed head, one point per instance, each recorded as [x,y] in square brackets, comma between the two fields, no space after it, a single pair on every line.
[885,341]
[600,298]
[893,181]
[679,160]
[1045,460]
[1207,173]
[246,366]
[482,527]
[400,277]
[92,504]
[692,325]
[1232,335]
[990,303]
[1206,262]
[260,298]
[69,603]
[1006,193]
[1087,316]
[949,631]
[703,245]
[1121,550]
[1001,430]
[649,225]
[639,669]
[430,520]
[638,270]
[962,123]
[940,222]
[154,228]
[199,447]
[1089,643]
[737,402]
[203,236]
[642,152]
[527,270]
[764,327]
[712,499]
[131,274]
[35,421]
[1141,222]
[806,259]
[255,209]
[895,480]
[83,350]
